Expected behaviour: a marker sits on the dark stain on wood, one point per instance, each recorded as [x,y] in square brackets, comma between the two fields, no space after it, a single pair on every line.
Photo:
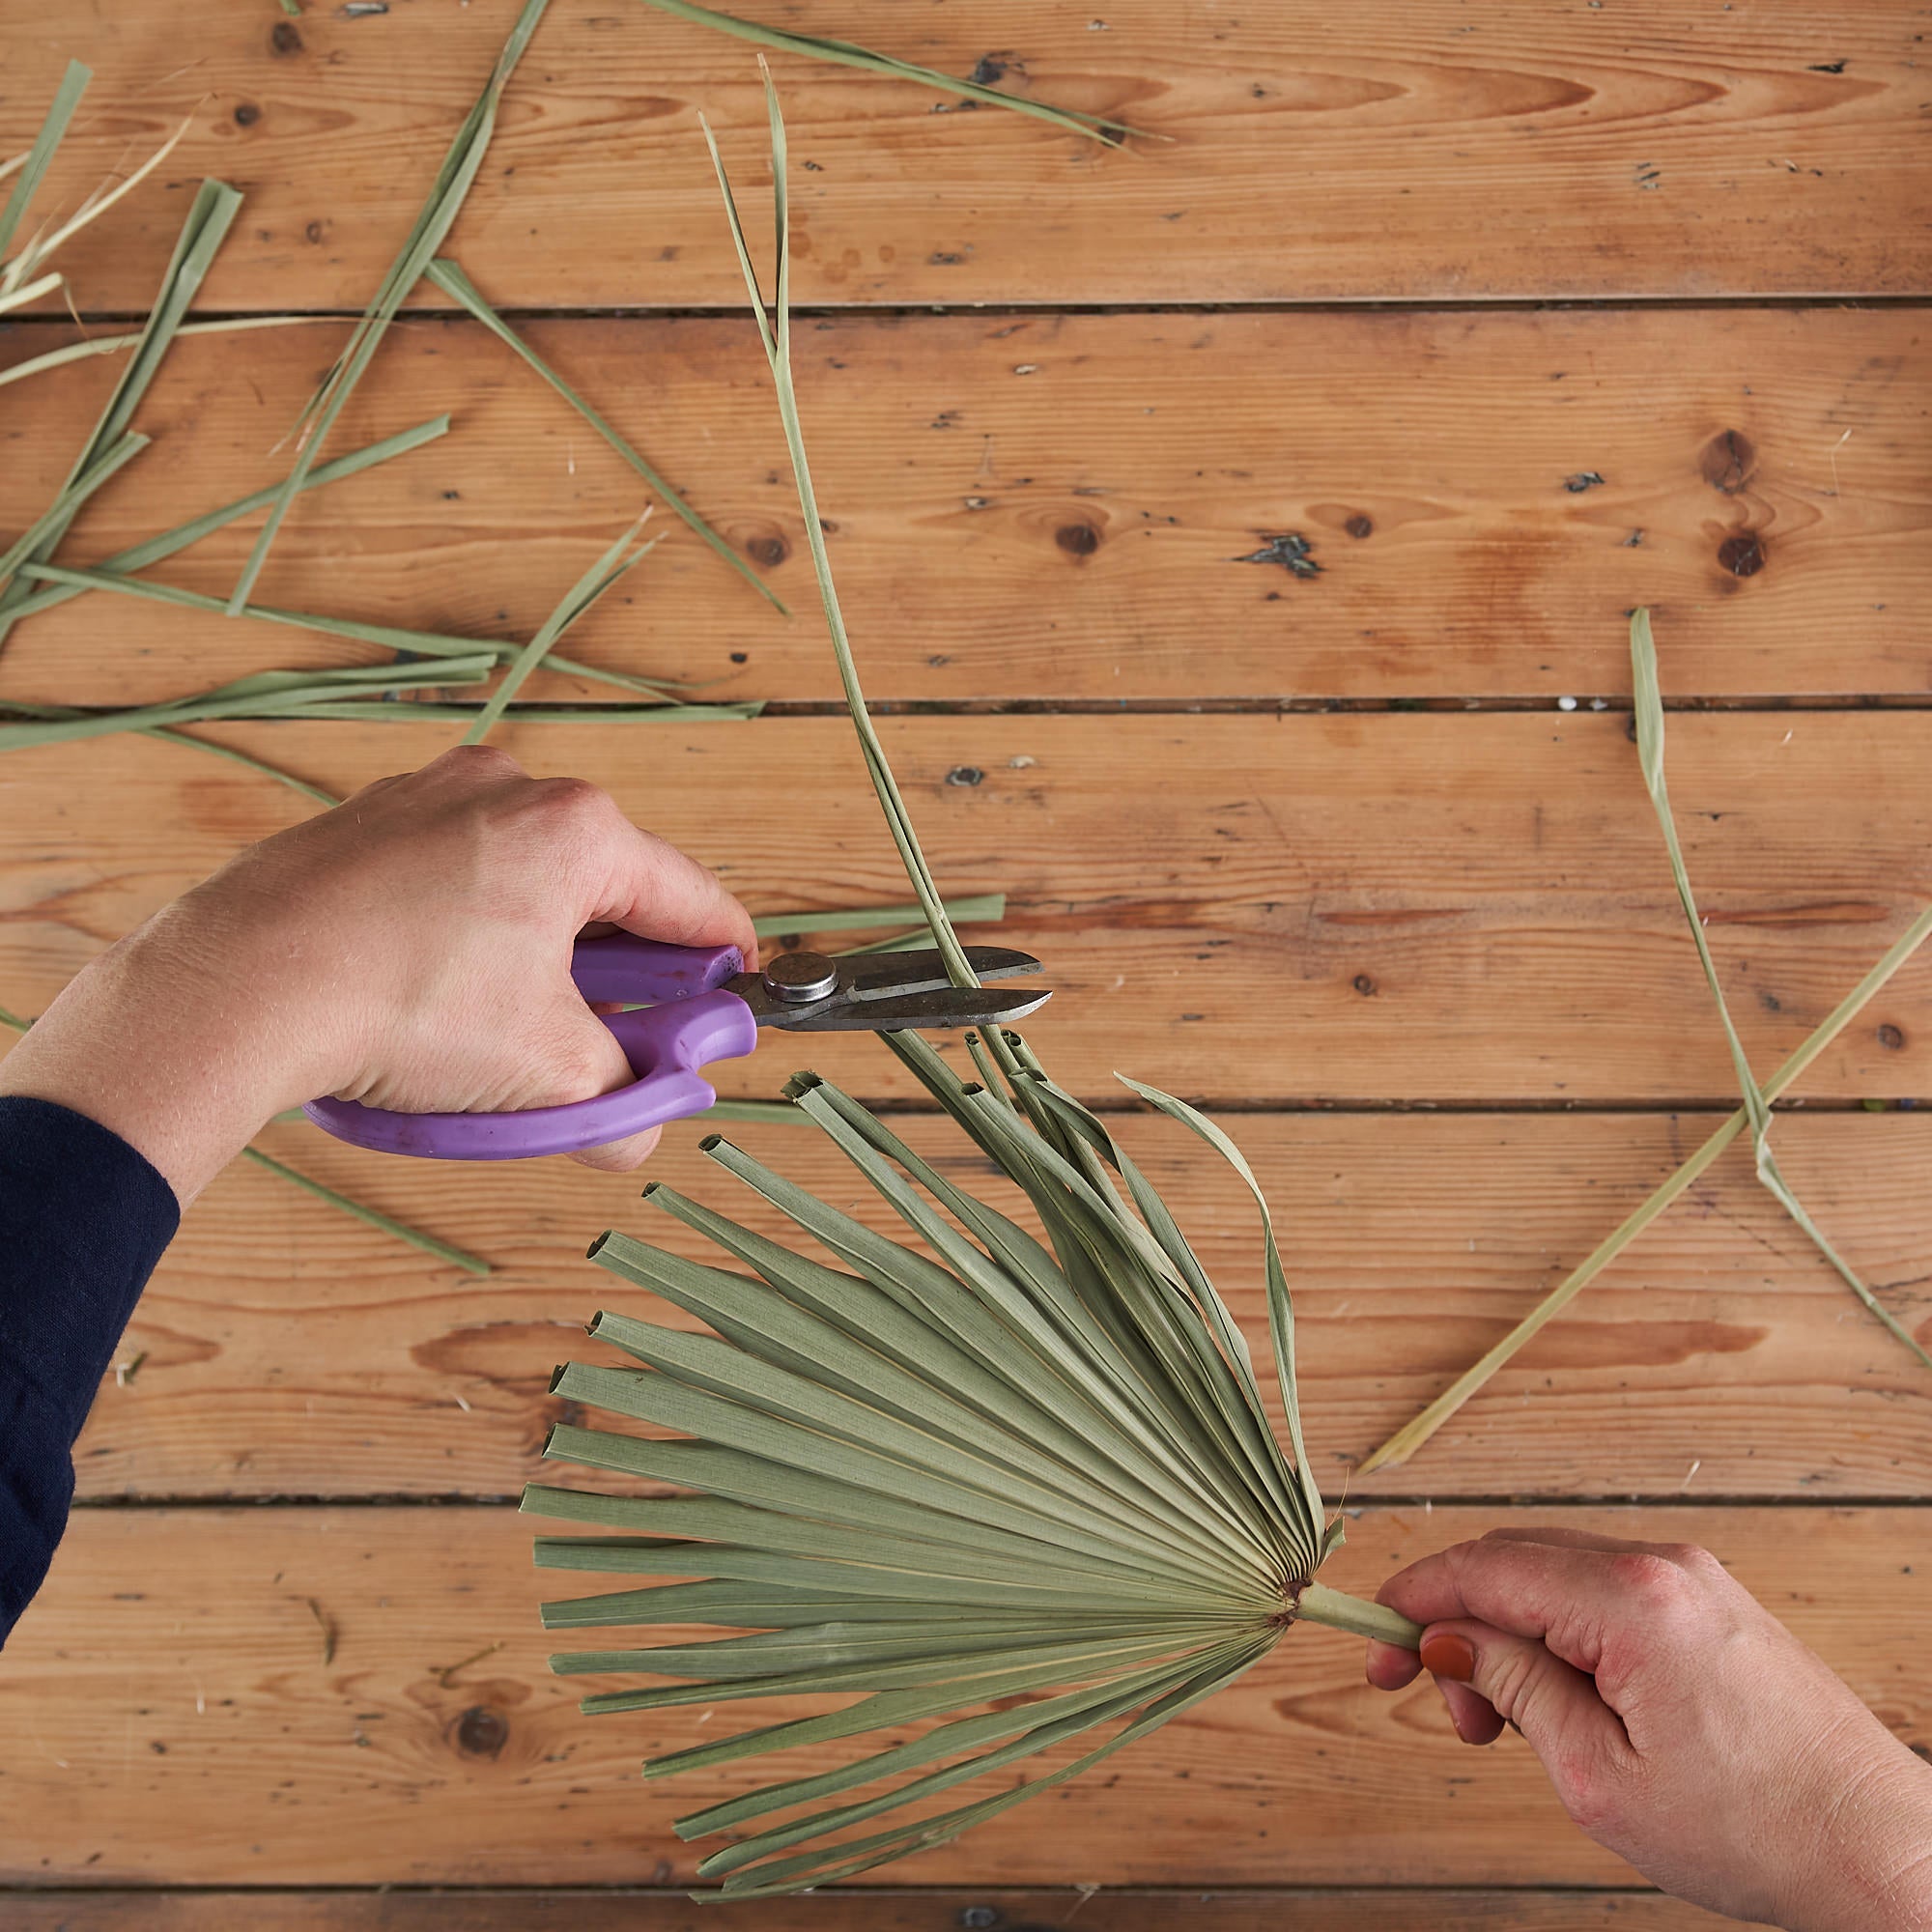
[1727,461]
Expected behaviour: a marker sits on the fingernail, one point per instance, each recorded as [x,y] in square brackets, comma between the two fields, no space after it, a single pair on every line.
[1445,1654]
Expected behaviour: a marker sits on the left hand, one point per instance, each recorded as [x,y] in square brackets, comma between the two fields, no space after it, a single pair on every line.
[410,948]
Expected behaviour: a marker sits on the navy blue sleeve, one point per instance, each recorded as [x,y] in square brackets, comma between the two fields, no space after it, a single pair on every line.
[83,1220]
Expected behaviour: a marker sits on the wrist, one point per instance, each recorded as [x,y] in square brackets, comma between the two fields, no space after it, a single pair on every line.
[1872,1871]
[162,1042]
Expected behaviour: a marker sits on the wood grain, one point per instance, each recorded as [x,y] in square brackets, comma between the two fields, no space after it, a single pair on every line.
[285,1349]
[1427,151]
[1350,908]
[167,1716]
[1060,507]
[1350,1910]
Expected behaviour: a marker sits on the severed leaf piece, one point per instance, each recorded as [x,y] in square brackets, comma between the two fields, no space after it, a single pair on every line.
[844,53]
[214,208]
[449,277]
[1757,1109]
[1412,1435]
[459,168]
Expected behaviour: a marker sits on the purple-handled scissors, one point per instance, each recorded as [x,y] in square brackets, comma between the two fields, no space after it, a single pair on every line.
[705,1007]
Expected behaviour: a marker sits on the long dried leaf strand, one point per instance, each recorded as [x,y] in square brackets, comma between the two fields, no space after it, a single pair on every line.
[1099,127]
[1411,1437]
[448,276]
[214,209]
[459,168]
[776,343]
[1650,753]
[32,166]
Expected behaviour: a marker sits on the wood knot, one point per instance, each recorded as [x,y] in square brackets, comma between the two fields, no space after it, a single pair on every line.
[1742,555]
[1077,539]
[481,1732]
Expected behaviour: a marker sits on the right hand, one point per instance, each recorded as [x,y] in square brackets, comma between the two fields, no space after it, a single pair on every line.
[1682,1725]
[411,949]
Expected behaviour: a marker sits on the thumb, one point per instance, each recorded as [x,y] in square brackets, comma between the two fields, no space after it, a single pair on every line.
[1489,1678]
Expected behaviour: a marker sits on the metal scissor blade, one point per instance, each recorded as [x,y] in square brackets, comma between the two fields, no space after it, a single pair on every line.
[890,976]
[937,1006]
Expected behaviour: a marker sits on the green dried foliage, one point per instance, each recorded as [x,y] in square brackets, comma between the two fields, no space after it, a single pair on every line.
[577,599]
[112,344]
[268,694]
[844,53]
[449,277]
[32,166]
[1757,1109]
[208,221]
[459,170]
[372,1217]
[944,1472]
[1754,1114]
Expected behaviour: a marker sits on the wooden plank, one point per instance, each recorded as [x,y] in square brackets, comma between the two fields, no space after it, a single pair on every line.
[167,1716]
[1246,908]
[625,1911]
[285,1349]
[1061,507]
[1675,149]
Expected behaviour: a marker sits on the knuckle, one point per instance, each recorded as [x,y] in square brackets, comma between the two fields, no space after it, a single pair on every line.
[572,807]
[1648,1578]
[1696,1562]
[479,761]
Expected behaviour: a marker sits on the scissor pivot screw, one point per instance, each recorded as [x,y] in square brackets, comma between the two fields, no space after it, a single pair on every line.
[800,977]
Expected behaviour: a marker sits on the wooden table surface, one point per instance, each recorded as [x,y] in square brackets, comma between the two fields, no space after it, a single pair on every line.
[1517,314]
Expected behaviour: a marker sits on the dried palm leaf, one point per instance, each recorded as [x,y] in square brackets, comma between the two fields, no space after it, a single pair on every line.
[112,344]
[1753,1114]
[214,208]
[449,277]
[844,53]
[459,168]
[1757,1109]
[949,1474]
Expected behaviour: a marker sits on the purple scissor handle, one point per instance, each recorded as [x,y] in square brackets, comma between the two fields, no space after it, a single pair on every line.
[704,1006]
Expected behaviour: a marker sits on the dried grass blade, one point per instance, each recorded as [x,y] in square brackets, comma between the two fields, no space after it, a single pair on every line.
[844,53]
[976,906]
[208,221]
[449,277]
[61,511]
[577,600]
[1649,751]
[459,168]
[154,549]
[33,164]
[372,1217]
[269,694]
[778,353]
[111,345]
[96,205]
[1411,1437]
[170,736]
[419,712]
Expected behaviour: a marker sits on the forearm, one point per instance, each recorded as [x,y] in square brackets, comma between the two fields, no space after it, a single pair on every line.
[164,1046]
